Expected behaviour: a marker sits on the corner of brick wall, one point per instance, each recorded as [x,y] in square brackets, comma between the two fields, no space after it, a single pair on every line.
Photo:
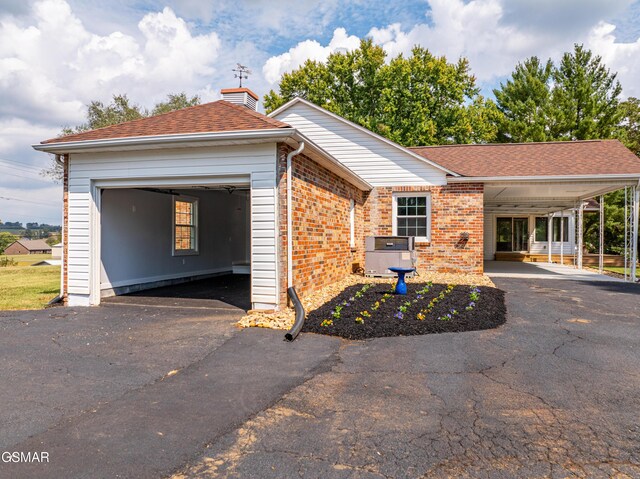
[455,209]
[321,225]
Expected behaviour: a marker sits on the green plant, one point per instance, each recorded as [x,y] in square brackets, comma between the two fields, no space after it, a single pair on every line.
[7,261]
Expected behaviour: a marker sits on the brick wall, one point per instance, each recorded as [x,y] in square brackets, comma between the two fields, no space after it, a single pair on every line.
[455,209]
[321,225]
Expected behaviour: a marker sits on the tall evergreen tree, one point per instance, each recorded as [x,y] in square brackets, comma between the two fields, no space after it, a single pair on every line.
[524,100]
[585,97]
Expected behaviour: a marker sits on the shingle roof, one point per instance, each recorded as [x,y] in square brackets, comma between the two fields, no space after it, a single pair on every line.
[32,245]
[217,116]
[561,158]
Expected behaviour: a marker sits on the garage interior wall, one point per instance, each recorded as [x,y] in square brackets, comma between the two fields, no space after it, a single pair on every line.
[137,235]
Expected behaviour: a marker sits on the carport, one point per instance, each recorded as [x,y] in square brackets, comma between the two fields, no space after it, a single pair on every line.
[535,194]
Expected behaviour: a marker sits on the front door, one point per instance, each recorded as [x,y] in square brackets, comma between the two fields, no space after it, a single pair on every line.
[512,234]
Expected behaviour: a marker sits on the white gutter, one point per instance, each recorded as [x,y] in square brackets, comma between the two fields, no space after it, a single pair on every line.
[479,179]
[289,217]
[67,146]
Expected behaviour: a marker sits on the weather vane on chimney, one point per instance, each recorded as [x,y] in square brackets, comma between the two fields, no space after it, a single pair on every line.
[241,72]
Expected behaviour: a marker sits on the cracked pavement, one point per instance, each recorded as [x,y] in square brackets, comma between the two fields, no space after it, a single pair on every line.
[125,390]
[554,393]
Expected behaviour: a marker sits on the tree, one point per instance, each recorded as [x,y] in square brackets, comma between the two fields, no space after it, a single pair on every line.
[6,239]
[628,130]
[416,100]
[119,110]
[585,97]
[525,102]
[175,102]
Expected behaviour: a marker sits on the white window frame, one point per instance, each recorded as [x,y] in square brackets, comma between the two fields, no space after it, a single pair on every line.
[427,195]
[352,223]
[185,252]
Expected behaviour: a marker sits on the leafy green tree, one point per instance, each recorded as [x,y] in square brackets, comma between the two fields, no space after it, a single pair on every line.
[6,239]
[175,102]
[119,110]
[585,97]
[416,100]
[524,100]
[628,130]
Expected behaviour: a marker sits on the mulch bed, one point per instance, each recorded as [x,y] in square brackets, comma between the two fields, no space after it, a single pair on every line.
[487,312]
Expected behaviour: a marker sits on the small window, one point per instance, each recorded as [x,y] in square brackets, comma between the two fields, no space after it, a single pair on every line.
[542,229]
[412,216]
[352,223]
[556,228]
[185,225]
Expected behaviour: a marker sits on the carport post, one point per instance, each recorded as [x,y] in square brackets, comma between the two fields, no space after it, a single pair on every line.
[549,226]
[634,243]
[580,229]
[562,238]
[601,235]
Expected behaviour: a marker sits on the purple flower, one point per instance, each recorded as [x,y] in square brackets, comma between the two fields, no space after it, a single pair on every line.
[419,296]
[399,315]
[347,304]
[472,303]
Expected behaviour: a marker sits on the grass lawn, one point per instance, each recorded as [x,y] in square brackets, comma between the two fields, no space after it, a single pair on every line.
[28,287]
[26,259]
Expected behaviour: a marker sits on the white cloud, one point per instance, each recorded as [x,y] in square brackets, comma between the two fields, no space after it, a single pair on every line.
[53,66]
[621,57]
[307,50]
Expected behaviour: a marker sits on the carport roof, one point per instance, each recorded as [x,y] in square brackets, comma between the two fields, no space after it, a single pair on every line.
[218,116]
[561,158]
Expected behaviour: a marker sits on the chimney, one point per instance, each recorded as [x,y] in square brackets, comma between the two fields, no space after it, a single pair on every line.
[240,96]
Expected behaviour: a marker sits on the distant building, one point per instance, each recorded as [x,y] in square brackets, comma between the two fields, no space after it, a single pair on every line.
[27,246]
[56,251]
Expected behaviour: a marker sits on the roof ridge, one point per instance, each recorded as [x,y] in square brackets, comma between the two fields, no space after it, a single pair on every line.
[136,120]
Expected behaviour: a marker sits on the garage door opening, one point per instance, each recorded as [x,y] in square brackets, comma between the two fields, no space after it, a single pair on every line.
[182,243]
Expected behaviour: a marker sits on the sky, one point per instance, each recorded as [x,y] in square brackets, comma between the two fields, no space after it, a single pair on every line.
[56,56]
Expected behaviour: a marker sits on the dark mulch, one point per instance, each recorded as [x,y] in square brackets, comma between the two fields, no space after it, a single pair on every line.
[489,312]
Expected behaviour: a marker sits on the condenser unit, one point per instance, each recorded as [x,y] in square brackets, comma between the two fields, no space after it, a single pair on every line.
[384,252]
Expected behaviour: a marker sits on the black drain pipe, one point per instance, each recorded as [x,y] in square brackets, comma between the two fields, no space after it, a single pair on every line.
[300,314]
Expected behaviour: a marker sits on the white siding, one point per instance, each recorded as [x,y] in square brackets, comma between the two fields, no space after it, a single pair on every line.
[369,157]
[257,162]
[489,240]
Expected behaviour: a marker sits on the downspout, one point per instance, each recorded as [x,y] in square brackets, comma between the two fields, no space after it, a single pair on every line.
[291,291]
[60,297]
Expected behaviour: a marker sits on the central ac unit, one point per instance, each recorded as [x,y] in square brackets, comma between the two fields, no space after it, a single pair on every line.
[384,252]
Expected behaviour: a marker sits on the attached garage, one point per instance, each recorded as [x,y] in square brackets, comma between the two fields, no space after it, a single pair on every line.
[153,237]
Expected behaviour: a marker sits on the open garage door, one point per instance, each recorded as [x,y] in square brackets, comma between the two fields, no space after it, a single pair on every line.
[176,242]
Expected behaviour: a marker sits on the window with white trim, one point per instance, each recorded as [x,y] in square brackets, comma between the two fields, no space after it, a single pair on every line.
[185,225]
[412,215]
[352,223]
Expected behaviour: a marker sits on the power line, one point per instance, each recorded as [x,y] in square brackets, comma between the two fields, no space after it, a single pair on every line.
[21,162]
[9,198]
[29,177]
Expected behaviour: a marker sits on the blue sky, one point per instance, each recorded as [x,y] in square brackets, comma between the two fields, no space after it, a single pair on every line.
[58,55]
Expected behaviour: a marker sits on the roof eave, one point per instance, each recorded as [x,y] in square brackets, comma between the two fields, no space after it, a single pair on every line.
[498,179]
[290,103]
[274,134]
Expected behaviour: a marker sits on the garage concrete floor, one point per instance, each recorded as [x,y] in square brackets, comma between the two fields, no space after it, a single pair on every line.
[218,292]
[132,391]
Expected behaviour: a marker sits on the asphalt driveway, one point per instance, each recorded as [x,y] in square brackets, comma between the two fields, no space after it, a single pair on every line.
[553,393]
[137,391]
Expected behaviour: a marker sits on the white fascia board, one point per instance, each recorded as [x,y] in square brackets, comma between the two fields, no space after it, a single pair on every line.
[501,179]
[275,134]
[333,164]
[290,103]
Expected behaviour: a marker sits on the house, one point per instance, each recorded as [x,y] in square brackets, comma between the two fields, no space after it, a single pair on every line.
[290,198]
[27,246]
